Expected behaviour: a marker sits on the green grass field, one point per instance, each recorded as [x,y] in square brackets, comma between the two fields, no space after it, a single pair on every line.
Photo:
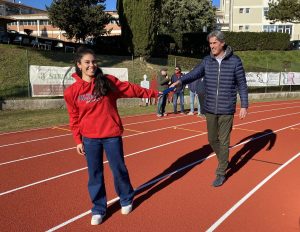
[14,61]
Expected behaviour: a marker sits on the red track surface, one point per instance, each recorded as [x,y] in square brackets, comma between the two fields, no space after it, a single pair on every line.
[44,182]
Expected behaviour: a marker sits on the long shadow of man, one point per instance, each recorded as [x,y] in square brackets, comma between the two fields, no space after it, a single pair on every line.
[257,142]
[174,172]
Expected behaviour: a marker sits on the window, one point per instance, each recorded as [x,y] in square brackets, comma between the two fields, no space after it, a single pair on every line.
[288,29]
[241,10]
[247,27]
[241,28]
[272,28]
[44,22]
[278,28]
[266,10]
[247,10]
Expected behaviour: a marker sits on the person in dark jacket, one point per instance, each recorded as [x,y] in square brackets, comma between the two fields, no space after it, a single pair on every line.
[163,83]
[223,75]
[179,92]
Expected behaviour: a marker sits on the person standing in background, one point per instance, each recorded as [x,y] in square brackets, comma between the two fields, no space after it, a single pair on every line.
[163,83]
[179,92]
[196,91]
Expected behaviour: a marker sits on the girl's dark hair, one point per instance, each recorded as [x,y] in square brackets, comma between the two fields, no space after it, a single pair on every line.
[102,84]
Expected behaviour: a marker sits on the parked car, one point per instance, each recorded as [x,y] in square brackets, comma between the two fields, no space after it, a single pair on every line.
[295,44]
[4,37]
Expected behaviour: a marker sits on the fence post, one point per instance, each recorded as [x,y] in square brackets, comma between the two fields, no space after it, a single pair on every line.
[132,58]
[28,75]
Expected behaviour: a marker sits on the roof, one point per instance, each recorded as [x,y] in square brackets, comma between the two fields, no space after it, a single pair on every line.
[20,5]
[6,18]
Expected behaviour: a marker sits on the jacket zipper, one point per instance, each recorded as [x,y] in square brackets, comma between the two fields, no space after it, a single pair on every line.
[217,97]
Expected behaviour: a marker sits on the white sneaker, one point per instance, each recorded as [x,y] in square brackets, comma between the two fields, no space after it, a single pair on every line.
[97,219]
[126,209]
[191,113]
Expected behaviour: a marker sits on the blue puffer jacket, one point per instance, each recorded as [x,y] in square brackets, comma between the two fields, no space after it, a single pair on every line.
[221,82]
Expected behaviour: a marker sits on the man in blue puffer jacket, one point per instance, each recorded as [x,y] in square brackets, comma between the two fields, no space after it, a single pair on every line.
[224,76]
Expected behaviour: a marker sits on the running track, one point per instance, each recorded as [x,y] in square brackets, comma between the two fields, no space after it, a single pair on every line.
[44,182]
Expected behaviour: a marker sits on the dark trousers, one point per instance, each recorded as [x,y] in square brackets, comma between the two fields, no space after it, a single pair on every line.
[94,155]
[219,128]
[161,105]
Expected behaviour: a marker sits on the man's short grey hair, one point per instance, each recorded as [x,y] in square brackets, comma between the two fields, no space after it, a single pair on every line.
[218,34]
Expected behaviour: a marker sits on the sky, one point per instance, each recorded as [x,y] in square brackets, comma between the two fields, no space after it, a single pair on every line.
[110,4]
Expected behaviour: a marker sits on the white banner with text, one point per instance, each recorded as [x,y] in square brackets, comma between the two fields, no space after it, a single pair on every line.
[51,81]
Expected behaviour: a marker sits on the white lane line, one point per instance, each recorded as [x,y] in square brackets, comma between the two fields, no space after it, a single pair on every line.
[79,216]
[155,120]
[53,152]
[137,189]
[163,177]
[236,115]
[127,136]
[42,181]
[34,140]
[275,104]
[24,131]
[44,128]
[259,120]
[40,155]
[135,153]
[249,194]
[81,169]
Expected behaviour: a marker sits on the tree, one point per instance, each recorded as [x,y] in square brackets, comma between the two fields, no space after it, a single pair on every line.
[80,18]
[139,20]
[284,11]
[182,16]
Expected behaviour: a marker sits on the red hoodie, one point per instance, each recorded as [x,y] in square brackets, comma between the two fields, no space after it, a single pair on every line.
[98,117]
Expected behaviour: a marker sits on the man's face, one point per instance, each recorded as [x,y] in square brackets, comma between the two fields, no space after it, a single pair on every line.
[164,73]
[216,46]
[177,70]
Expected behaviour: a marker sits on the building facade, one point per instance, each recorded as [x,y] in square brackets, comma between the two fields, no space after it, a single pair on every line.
[250,15]
[8,8]
[40,25]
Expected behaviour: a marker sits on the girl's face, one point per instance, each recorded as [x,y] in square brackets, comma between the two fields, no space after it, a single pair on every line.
[87,65]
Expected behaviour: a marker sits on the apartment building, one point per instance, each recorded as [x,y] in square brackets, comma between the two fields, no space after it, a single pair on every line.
[40,25]
[250,15]
[12,7]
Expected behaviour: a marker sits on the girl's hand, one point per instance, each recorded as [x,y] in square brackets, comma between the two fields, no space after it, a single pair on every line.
[80,149]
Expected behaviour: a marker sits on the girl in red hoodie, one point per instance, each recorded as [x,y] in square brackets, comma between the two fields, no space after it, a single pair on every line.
[96,126]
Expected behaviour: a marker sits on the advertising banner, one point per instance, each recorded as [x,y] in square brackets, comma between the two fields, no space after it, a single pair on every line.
[51,81]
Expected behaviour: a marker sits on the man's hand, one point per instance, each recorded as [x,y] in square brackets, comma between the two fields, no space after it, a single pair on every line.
[80,149]
[243,113]
[176,84]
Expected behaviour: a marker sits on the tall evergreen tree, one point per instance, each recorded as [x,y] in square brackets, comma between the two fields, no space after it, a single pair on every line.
[80,18]
[182,16]
[139,20]
[284,11]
